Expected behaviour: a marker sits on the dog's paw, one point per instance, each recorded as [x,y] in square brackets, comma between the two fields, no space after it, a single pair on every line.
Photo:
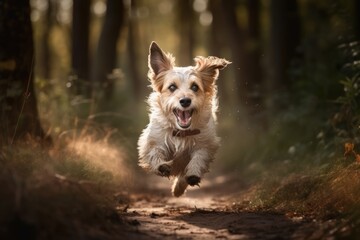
[193,180]
[164,170]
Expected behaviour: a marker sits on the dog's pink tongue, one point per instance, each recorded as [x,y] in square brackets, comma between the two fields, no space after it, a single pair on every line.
[184,117]
[187,114]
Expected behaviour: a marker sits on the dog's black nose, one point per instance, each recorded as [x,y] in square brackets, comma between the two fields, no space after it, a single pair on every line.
[185,102]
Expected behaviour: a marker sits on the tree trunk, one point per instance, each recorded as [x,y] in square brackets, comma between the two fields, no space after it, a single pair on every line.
[80,47]
[185,22]
[19,115]
[357,19]
[105,57]
[255,86]
[236,39]
[133,43]
[45,58]
[245,48]
[284,38]
[217,41]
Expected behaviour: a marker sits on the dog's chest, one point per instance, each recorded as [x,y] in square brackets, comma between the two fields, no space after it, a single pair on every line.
[180,152]
[180,147]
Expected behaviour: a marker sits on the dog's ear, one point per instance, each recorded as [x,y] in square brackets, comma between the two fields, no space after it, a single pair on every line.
[159,62]
[208,68]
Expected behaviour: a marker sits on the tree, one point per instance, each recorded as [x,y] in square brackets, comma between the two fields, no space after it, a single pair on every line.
[244,45]
[80,46]
[236,39]
[133,43]
[217,41]
[185,22]
[357,19]
[255,86]
[45,57]
[284,39]
[19,115]
[105,56]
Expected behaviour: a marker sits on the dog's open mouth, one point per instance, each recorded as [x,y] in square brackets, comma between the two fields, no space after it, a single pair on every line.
[183,117]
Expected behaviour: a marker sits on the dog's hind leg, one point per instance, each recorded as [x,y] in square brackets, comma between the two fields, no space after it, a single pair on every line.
[179,186]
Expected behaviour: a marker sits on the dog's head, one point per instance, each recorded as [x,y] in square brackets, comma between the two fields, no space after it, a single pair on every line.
[186,94]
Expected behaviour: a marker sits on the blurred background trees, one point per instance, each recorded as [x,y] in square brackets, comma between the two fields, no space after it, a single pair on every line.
[18,107]
[106,52]
[294,64]
[80,45]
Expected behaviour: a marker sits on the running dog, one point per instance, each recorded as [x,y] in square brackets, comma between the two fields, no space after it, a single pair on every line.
[180,140]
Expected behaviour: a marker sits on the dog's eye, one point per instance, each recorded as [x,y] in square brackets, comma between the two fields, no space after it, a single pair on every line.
[195,87]
[172,87]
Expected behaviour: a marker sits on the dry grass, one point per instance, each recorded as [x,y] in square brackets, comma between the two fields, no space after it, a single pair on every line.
[67,191]
[320,193]
[329,196]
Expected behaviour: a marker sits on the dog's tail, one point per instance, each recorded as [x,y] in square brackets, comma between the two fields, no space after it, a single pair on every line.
[179,186]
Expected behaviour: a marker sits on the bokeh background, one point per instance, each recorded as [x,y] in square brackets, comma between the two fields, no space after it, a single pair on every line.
[292,84]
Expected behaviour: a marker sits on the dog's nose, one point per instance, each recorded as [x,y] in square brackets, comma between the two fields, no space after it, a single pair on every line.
[185,102]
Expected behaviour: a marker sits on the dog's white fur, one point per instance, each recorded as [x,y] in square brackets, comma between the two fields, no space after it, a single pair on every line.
[186,155]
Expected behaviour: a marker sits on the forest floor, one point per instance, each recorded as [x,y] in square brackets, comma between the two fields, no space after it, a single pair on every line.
[213,211]
[70,197]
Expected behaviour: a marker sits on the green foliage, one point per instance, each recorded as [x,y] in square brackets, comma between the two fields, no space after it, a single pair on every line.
[351,93]
[316,71]
[347,120]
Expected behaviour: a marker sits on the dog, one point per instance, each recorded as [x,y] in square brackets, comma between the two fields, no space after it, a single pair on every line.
[180,140]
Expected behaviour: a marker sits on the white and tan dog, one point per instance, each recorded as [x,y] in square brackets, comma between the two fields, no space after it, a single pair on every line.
[180,139]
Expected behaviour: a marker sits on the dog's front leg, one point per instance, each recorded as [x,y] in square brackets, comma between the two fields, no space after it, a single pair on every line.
[198,165]
[155,161]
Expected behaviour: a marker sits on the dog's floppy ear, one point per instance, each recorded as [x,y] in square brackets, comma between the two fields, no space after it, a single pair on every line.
[158,62]
[208,68]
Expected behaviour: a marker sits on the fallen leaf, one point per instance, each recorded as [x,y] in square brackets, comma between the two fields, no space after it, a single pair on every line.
[358,158]
[349,148]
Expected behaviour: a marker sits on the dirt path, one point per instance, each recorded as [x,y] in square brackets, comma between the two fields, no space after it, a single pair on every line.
[207,213]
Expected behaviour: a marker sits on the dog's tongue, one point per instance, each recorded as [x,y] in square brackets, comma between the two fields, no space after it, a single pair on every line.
[184,117]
